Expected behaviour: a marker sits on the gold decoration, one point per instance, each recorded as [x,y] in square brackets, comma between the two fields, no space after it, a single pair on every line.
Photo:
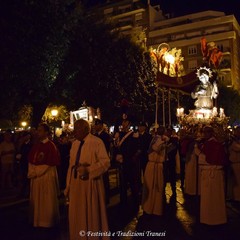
[206,69]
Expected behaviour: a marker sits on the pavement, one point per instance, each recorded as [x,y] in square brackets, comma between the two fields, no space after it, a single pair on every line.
[179,222]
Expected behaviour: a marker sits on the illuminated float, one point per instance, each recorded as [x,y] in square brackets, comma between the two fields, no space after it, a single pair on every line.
[170,77]
[205,112]
[85,112]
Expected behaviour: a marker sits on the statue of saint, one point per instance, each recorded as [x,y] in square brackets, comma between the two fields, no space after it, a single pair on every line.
[205,91]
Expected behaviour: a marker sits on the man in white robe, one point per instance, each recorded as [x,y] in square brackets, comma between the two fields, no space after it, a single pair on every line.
[44,188]
[190,175]
[211,160]
[153,185]
[234,157]
[84,186]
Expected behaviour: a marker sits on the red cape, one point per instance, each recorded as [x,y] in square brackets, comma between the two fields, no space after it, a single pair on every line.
[215,152]
[44,153]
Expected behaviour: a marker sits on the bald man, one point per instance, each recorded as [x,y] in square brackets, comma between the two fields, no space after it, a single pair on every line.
[84,186]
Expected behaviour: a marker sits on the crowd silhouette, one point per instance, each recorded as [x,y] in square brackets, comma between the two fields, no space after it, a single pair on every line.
[146,159]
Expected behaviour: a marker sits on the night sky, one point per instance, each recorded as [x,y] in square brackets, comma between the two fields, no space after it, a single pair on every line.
[182,7]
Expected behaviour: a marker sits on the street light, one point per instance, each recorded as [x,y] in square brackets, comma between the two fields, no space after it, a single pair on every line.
[24,124]
[54,113]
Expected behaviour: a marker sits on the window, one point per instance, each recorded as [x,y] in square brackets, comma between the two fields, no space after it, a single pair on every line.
[124,8]
[221,78]
[192,50]
[192,64]
[124,21]
[220,47]
[108,11]
[138,16]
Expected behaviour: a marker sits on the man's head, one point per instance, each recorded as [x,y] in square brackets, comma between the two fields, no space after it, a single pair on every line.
[81,129]
[142,127]
[169,132]
[98,125]
[126,124]
[208,132]
[43,131]
[8,136]
[161,130]
[64,137]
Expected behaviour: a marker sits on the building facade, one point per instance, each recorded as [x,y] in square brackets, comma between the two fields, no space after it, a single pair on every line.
[148,27]
[185,32]
[133,18]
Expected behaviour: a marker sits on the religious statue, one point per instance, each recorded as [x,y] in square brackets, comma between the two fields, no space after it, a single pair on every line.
[205,92]
[211,53]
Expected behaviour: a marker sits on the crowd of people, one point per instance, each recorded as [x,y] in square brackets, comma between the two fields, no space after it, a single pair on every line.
[78,165]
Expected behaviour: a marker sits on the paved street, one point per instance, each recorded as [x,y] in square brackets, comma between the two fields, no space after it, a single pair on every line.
[180,221]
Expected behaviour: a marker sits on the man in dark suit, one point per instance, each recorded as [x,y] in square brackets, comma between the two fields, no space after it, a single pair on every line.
[172,148]
[144,141]
[128,148]
[106,138]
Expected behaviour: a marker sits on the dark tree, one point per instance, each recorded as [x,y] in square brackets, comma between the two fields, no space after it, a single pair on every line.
[34,40]
[229,99]
[53,52]
[105,68]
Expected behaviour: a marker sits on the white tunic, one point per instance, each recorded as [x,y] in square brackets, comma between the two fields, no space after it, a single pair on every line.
[212,200]
[87,210]
[7,147]
[153,186]
[234,158]
[44,191]
[191,176]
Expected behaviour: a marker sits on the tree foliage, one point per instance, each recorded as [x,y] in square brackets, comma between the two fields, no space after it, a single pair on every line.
[54,53]
[229,99]
[34,40]
[62,115]
[106,67]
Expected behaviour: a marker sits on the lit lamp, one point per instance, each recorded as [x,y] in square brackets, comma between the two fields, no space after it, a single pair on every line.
[169,58]
[221,113]
[54,113]
[180,112]
[24,124]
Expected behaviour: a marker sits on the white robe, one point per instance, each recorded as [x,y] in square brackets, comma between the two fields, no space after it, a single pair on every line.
[87,210]
[44,191]
[234,158]
[212,200]
[153,190]
[191,176]
[153,186]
